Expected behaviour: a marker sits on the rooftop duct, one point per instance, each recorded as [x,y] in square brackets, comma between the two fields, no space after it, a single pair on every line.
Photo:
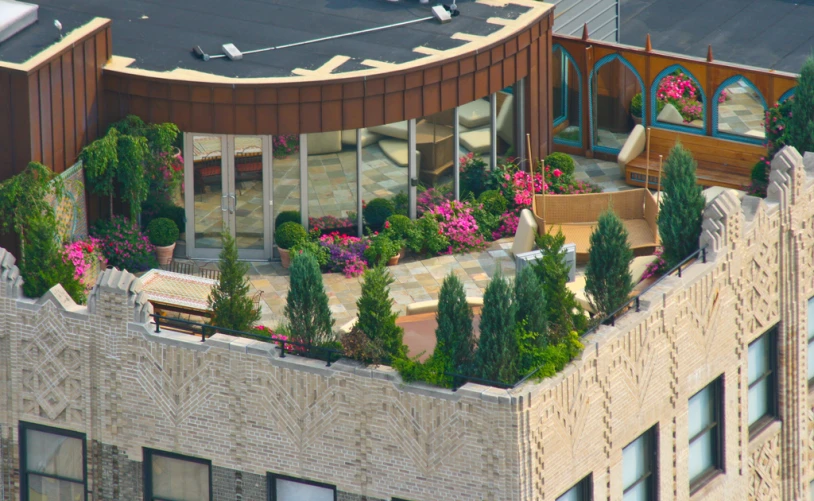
[15,16]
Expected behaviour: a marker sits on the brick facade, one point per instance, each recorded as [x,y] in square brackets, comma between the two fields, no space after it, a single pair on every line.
[102,371]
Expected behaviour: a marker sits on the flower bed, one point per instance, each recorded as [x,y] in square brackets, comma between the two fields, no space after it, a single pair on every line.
[456,222]
[124,245]
[346,254]
[87,259]
[345,225]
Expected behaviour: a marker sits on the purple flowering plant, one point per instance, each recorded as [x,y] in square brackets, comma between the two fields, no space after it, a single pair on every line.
[345,253]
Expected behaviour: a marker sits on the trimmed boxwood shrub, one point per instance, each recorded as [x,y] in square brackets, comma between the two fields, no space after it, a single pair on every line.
[561,161]
[290,234]
[376,213]
[400,226]
[493,202]
[162,232]
[287,216]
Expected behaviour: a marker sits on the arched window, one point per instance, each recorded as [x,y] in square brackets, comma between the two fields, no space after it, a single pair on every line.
[739,111]
[614,84]
[677,101]
[786,95]
[567,98]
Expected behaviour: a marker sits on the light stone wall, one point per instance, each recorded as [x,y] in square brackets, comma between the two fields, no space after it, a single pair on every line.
[102,371]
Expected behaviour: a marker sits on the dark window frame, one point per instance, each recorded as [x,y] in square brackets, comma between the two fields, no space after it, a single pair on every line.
[24,426]
[271,479]
[651,476]
[587,483]
[716,426]
[771,373]
[148,470]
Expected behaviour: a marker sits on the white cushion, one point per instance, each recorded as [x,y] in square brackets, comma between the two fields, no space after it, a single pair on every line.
[669,114]
[477,141]
[578,288]
[474,114]
[505,120]
[397,130]
[419,307]
[321,143]
[634,145]
[526,232]
[396,151]
[368,138]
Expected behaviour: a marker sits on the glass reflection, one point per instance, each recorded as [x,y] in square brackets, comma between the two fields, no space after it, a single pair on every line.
[741,110]
[332,187]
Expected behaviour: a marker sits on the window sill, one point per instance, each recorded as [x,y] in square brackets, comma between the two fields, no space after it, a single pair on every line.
[704,486]
[764,432]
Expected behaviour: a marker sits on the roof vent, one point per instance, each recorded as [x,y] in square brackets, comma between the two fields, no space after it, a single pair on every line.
[15,16]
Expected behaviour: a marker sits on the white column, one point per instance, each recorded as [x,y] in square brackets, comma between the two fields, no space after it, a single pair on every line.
[359,181]
[412,168]
[304,179]
[456,138]
[493,131]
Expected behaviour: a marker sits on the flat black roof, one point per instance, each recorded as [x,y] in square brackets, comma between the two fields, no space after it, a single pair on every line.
[773,34]
[158,34]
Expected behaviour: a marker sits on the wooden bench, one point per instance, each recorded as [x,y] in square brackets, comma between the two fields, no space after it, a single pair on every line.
[720,162]
[576,216]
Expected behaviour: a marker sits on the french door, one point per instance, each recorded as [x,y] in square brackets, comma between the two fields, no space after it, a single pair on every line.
[228,188]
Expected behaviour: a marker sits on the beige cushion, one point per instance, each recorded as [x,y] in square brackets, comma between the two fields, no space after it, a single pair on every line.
[669,114]
[633,147]
[430,306]
[474,114]
[477,141]
[368,138]
[505,120]
[347,327]
[638,265]
[526,231]
[321,143]
[397,130]
[396,151]
[578,288]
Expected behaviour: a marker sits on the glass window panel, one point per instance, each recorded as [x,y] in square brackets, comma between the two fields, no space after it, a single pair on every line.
[179,480]
[505,124]
[46,489]
[54,455]
[741,110]
[289,490]
[701,454]
[567,96]
[474,120]
[332,190]
[679,101]
[576,493]
[638,493]
[384,164]
[285,170]
[435,143]
[758,400]
[207,164]
[811,360]
[249,204]
[613,87]
[634,461]
[758,359]
[700,411]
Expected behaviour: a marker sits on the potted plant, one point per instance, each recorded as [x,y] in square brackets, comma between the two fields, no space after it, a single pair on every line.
[636,108]
[383,249]
[163,233]
[287,236]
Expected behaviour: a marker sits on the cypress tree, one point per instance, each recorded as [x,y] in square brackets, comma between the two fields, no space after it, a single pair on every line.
[531,305]
[800,124]
[496,357]
[376,317]
[681,211]
[607,277]
[229,300]
[455,341]
[306,306]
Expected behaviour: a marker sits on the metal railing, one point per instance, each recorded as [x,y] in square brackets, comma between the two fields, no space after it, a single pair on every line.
[329,355]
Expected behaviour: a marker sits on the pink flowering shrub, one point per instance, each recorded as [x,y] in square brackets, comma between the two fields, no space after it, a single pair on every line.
[723,97]
[277,338]
[679,90]
[456,222]
[345,253]
[331,223]
[86,258]
[507,226]
[656,268]
[285,145]
[124,245]
[429,198]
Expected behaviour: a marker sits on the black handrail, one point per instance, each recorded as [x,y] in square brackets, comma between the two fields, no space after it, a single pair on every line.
[329,354]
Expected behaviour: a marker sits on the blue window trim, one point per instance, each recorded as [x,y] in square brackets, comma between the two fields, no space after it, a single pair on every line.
[681,128]
[716,104]
[565,60]
[599,64]
[787,95]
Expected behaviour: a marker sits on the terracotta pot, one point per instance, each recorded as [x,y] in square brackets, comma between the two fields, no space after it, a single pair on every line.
[285,257]
[393,260]
[164,254]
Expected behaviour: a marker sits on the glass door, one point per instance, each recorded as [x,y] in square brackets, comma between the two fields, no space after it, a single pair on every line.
[207,201]
[248,214]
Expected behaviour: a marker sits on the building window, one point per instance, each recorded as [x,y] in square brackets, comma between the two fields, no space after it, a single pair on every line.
[169,476]
[639,468]
[705,418]
[283,488]
[762,379]
[579,492]
[811,341]
[811,488]
[53,463]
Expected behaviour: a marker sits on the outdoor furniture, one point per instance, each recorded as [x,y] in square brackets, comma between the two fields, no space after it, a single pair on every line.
[435,145]
[720,162]
[178,293]
[193,268]
[576,216]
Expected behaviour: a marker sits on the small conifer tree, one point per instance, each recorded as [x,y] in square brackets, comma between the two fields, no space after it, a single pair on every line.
[682,206]
[531,305]
[454,335]
[229,300]
[376,317]
[306,307]
[800,123]
[496,357]
[607,277]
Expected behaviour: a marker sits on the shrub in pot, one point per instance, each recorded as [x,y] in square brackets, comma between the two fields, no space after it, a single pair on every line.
[163,233]
[292,216]
[636,108]
[287,236]
[376,213]
[383,250]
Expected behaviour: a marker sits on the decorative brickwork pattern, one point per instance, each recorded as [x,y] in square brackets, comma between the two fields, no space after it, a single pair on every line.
[764,465]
